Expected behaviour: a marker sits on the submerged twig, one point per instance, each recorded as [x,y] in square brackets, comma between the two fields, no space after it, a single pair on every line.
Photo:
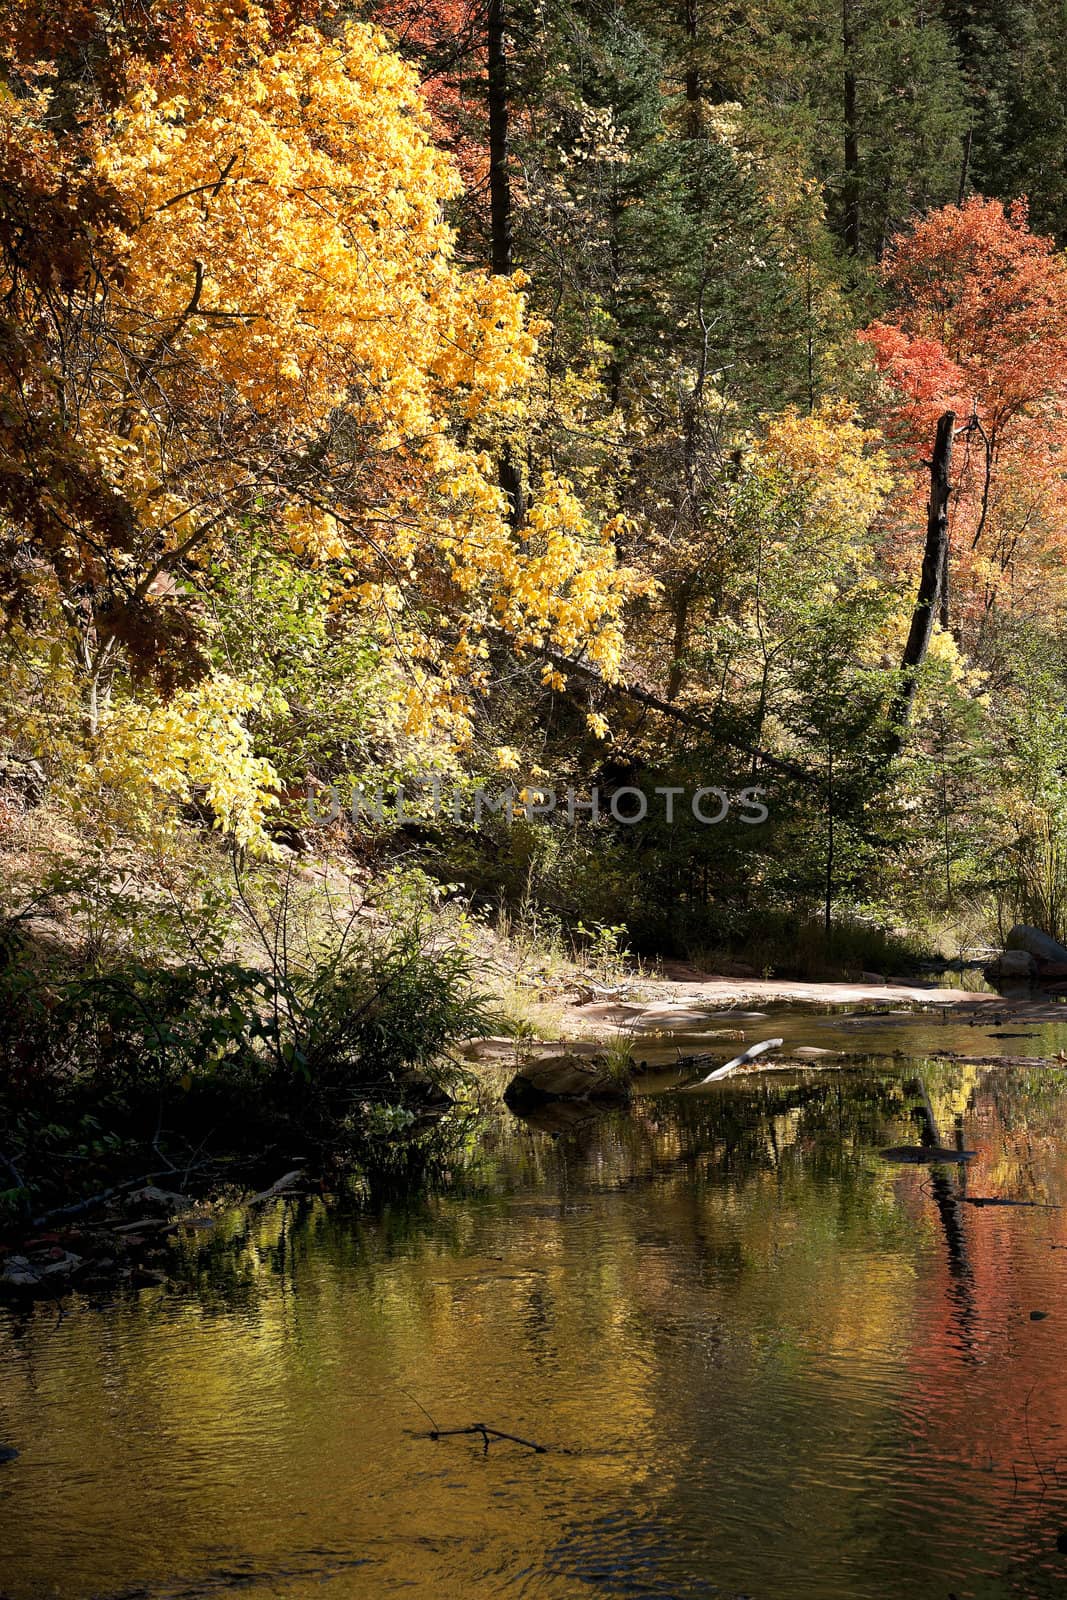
[488,1434]
[1030,1442]
[431,1420]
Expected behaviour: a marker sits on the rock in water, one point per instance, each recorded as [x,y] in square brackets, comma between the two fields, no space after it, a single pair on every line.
[7,1453]
[1018,965]
[567,1076]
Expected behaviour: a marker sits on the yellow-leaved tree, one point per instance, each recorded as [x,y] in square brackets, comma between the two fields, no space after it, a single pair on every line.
[262,321]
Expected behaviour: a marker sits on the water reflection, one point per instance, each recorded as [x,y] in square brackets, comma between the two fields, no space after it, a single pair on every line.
[765,1362]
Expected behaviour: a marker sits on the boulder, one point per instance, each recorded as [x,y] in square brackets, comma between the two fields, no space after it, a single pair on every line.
[1018,966]
[567,1076]
[1039,944]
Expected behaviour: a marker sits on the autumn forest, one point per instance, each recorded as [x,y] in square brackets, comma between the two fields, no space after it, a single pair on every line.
[428,389]
[533,794]
[555,408]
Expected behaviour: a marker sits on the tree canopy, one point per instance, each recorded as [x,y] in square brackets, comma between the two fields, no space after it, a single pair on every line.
[548,388]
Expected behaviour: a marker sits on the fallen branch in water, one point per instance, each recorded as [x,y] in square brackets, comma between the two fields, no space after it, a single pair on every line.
[996,1200]
[93,1200]
[488,1434]
[750,1054]
[278,1188]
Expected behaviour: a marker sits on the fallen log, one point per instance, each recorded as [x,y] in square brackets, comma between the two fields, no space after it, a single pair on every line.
[93,1200]
[998,1061]
[795,1058]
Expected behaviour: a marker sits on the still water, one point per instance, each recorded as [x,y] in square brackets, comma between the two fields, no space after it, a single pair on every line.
[763,1361]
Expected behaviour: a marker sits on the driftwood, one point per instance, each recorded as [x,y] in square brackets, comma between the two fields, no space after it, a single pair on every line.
[996,1200]
[746,1056]
[589,993]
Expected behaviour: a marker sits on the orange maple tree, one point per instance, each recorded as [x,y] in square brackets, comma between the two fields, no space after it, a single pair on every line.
[979,326]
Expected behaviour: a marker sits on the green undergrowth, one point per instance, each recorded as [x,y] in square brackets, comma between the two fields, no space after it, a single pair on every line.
[288,1020]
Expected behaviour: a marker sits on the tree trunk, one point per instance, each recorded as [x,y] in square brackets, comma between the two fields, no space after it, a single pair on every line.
[943,589]
[965,166]
[828,887]
[614,373]
[499,181]
[681,625]
[509,473]
[852,158]
[934,574]
[692,72]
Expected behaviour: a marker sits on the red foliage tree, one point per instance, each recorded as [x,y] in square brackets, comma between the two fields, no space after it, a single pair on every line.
[446,41]
[979,326]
